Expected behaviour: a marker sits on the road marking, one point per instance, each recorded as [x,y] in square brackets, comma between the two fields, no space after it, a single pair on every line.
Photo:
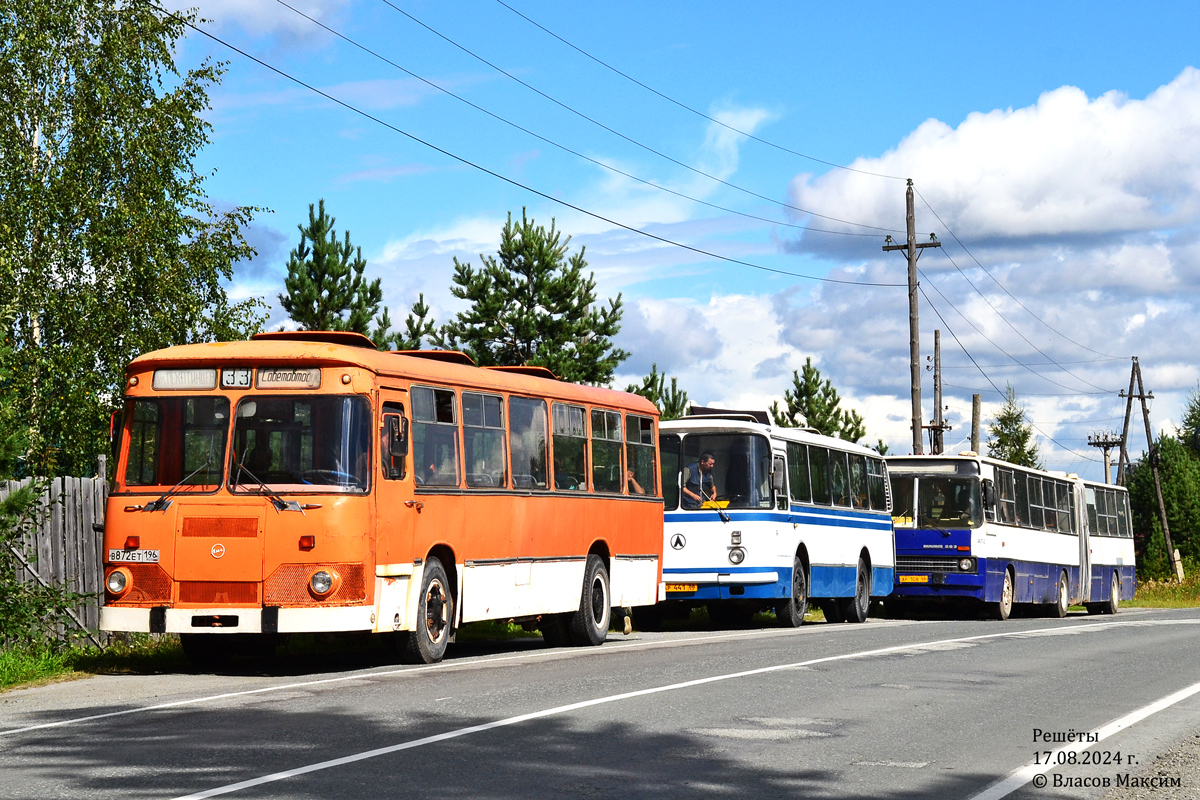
[1018,778]
[445,665]
[564,709]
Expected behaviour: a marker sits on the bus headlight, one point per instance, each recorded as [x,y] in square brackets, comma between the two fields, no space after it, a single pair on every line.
[118,581]
[966,565]
[322,582]
[736,555]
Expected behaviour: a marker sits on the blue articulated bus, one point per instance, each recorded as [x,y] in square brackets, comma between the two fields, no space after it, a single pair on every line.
[978,529]
[758,516]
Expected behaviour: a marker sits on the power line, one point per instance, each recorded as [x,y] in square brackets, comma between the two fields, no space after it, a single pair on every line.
[1037,363]
[551,142]
[1002,286]
[505,178]
[623,136]
[695,111]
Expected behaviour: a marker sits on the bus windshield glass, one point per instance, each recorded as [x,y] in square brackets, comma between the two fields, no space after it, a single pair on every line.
[726,471]
[174,440]
[301,444]
[946,502]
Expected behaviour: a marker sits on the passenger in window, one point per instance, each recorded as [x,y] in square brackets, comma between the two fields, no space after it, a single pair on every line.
[631,481]
[699,485]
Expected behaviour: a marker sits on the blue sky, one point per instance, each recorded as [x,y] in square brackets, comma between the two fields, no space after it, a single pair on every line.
[1061,142]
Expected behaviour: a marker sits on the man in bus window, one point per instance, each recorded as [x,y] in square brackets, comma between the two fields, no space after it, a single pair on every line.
[699,485]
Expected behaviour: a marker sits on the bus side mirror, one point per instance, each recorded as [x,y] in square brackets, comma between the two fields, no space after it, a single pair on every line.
[397,436]
[989,494]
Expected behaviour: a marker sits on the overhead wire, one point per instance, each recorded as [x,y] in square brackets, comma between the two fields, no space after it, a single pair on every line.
[686,107]
[623,136]
[553,143]
[512,181]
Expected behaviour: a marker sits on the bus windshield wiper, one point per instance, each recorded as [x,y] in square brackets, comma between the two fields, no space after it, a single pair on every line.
[277,501]
[163,502]
[921,517]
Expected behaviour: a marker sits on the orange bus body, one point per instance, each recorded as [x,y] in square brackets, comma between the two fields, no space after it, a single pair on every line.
[220,560]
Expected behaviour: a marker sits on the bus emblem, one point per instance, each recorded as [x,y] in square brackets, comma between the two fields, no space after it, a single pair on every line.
[218,550]
[678,542]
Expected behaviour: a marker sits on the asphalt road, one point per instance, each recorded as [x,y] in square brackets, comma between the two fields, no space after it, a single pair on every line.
[938,709]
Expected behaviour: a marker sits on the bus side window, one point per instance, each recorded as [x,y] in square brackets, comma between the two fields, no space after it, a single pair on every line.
[876,487]
[394,449]
[527,442]
[607,472]
[1022,494]
[797,456]
[818,463]
[1122,515]
[858,481]
[434,437]
[484,459]
[839,478]
[1035,502]
[570,448]
[779,476]
[668,446]
[639,455]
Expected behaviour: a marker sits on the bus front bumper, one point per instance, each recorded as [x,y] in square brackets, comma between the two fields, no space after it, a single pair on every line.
[237,620]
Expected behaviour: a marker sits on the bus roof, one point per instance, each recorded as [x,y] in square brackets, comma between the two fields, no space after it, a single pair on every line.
[272,352]
[711,424]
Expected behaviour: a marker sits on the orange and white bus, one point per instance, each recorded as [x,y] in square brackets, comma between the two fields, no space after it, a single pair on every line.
[306,482]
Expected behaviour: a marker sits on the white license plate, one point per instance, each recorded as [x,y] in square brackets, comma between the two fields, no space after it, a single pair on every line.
[133,556]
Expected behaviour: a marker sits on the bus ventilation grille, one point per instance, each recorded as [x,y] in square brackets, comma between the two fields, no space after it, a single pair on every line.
[219,592]
[149,585]
[928,563]
[288,585]
[224,527]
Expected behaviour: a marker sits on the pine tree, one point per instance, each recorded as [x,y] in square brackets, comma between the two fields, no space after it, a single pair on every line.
[1179,472]
[532,304]
[1010,436]
[1189,431]
[814,403]
[672,402]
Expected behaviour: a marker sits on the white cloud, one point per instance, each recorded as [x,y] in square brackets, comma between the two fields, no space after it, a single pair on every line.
[264,17]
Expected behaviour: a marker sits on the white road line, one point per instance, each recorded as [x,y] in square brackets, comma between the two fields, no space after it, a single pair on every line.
[445,665]
[557,710]
[1025,774]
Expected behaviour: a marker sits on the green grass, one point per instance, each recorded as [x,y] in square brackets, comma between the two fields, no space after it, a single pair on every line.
[493,630]
[1167,593]
[140,653]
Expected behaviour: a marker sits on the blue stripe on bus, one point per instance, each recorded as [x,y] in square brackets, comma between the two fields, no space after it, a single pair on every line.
[824,581]
[844,519]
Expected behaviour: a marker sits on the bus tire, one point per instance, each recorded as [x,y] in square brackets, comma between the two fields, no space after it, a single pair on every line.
[1003,609]
[854,609]
[589,625]
[791,611]
[1061,602]
[1114,596]
[435,617]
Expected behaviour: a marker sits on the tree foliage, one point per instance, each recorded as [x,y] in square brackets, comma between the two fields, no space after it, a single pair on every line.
[672,402]
[1179,472]
[814,403]
[1010,436]
[533,304]
[109,246]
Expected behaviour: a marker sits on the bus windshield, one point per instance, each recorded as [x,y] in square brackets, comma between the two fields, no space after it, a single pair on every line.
[174,439]
[944,502]
[301,444]
[726,471]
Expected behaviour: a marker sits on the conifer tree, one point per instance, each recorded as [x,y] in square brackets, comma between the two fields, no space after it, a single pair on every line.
[814,403]
[672,402]
[1010,436]
[532,304]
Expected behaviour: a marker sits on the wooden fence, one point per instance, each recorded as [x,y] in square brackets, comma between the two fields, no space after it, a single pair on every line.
[65,548]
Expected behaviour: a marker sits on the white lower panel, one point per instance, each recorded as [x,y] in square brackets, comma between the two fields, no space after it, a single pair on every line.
[554,586]
[520,589]
[634,581]
[748,578]
[136,620]
[319,620]
[490,590]
[391,603]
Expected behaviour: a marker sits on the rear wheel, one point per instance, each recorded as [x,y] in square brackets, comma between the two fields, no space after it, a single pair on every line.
[589,625]
[791,612]
[854,609]
[1003,609]
[1114,597]
[1059,609]
[435,617]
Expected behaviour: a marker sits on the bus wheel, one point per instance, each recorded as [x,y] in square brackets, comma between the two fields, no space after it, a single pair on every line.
[435,616]
[1059,609]
[854,609]
[589,625]
[791,611]
[1114,596]
[206,650]
[1003,609]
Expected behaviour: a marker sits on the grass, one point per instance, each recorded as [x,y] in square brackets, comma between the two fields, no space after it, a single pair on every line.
[1167,593]
[140,653]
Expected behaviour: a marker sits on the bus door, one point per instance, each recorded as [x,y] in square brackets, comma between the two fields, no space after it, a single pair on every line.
[395,510]
[1085,544]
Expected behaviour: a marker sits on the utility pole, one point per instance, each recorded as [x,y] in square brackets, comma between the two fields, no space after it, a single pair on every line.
[913,251]
[976,411]
[936,439]
[1152,456]
[1106,441]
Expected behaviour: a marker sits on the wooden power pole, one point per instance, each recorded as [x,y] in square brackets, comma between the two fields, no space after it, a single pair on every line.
[939,426]
[913,251]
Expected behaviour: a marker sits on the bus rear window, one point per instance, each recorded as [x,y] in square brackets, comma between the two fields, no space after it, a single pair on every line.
[174,439]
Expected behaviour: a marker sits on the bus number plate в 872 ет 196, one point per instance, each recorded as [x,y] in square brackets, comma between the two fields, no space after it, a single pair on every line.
[133,556]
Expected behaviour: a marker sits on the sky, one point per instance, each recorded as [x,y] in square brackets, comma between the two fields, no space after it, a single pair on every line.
[732,173]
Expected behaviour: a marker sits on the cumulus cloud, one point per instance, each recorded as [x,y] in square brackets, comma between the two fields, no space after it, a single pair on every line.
[265,17]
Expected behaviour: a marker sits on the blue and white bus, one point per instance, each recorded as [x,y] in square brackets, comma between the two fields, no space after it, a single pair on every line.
[977,528]
[759,517]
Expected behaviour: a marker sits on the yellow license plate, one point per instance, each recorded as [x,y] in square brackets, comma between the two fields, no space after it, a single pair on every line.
[914,579]
[681,587]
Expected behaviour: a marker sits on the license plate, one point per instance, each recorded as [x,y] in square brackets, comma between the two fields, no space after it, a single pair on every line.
[681,587]
[914,579]
[133,556]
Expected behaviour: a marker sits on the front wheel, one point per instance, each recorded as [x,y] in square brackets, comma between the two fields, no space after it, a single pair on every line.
[854,609]
[1059,609]
[791,611]
[589,625]
[1114,596]
[435,617]
[1003,609]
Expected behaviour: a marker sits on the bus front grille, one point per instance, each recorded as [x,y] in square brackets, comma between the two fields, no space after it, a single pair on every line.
[149,584]
[932,564]
[216,527]
[288,585]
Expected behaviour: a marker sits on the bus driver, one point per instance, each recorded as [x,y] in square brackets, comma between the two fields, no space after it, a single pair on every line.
[699,485]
